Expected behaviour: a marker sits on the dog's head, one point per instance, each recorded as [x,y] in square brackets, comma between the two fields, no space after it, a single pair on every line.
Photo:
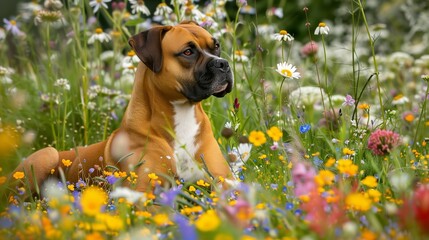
[187,57]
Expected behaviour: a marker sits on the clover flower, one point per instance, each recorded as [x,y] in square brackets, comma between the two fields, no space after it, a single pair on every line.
[97,4]
[310,49]
[283,36]
[303,175]
[288,70]
[322,29]
[381,142]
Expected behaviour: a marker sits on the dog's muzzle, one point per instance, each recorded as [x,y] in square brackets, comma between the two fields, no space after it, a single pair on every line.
[214,79]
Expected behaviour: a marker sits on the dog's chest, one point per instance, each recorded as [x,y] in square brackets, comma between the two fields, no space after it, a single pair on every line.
[186,129]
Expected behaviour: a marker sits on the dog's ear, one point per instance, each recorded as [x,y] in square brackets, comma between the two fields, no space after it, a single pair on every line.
[189,22]
[147,46]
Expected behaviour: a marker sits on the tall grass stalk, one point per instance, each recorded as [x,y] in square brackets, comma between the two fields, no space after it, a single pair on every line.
[374,59]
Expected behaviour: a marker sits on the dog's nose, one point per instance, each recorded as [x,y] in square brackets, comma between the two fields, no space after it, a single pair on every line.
[219,64]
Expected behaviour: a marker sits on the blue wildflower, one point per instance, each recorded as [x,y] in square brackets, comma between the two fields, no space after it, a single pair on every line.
[304,128]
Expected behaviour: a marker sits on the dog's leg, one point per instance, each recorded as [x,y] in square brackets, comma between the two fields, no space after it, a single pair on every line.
[82,158]
[46,162]
[38,166]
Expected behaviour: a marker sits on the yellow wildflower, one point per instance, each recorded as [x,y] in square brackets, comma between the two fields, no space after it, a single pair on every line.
[192,189]
[346,166]
[208,221]
[66,162]
[373,194]
[348,151]
[202,183]
[70,187]
[18,175]
[275,133]
[369,181]
[257,138]
[161,219]
[93,200]
[325,177]
[330,162]
[358,202]
[153,176]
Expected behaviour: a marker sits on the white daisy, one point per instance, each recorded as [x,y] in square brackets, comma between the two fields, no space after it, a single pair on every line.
[322,29]
[124,192]
[163,9]
[239,155]
[400,99]
[100,36]
[240,56]
[97,4]
[139,6]
[283,36]
[287,70]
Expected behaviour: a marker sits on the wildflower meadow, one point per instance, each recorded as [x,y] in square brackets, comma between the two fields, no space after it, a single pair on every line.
[326,128]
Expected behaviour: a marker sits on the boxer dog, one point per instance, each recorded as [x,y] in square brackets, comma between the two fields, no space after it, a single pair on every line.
[164,129]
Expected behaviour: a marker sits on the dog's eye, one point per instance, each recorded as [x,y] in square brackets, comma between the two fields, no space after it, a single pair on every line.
[188,52]
[217,46]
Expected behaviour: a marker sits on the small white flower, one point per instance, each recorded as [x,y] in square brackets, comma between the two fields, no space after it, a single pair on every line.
[97,4]
[322,29]
[240,154]
[2,34]
[62,83]
[283,36]
[400,99]
[130,61]
[163,9]
[139,6]
[287,70]
[124,192]
[240,56]
[100,36]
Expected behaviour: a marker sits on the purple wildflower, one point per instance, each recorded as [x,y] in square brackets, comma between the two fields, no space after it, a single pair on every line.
[349,101]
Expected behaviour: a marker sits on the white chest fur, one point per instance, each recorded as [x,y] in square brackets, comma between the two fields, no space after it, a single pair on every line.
[186,129]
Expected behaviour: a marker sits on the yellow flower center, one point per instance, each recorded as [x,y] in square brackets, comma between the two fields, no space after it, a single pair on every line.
[287,72]
[162,4]
[98,30]
[12,22]
[131,53]
[239,53]
[99,1]
[397,97]
[322,24]
[283,32]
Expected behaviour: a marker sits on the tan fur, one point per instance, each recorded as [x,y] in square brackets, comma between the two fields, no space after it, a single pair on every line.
[146,125]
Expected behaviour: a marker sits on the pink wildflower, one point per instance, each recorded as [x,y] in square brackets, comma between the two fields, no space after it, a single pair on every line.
[309,49]
[303,178]
[381,142]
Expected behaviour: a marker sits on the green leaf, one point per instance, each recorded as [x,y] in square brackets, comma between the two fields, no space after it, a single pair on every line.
[134,22]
